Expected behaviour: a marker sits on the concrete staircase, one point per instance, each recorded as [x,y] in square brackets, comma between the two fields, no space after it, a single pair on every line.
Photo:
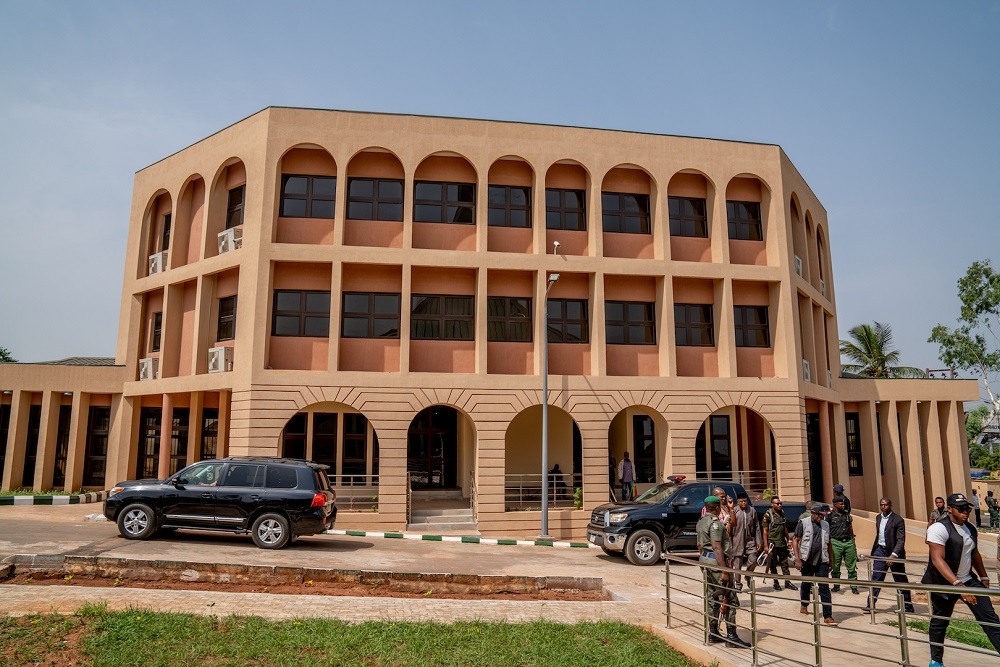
[436,512]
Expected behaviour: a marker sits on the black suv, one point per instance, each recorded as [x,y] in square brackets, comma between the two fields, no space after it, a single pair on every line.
[274,500]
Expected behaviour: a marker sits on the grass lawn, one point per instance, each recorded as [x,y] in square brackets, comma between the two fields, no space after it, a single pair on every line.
[94,636]
[964,632]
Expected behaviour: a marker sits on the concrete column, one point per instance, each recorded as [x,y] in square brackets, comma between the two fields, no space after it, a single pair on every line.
[166,435]
[826,450]
[808,339]
[17,435]
[336,285]
[538,235]
[718,225]
[225,411]
[918,503]
[598,353]
[667,350]
[819,368]
[408,181]
[48,430]
[170,333]
[482,321]
[75,457]
[957,463]
[934,472]
[195,421]
[595,227]
[838,428]
[726,340]
[340,208]
[123,439]
[406,292]
[890,457]
[204,332]
[870,454]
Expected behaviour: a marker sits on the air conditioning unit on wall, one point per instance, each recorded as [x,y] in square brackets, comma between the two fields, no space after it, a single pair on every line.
[806,373]
[149,368]
[230,239]
[158,263]
[798,266]
[220,359]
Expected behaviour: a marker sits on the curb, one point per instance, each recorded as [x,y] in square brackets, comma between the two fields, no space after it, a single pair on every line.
[81,499]
[110,567]
[463,539]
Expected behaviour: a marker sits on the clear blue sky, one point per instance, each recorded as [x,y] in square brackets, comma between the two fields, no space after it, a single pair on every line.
[889,110]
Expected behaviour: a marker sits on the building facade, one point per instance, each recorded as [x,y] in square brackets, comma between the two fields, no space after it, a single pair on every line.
[374,291]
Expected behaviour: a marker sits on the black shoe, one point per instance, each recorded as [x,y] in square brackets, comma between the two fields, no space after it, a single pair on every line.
[855,591]
[867,608]
[713,633]
[836,588]
[733,640]
[908,608]
[777,586]
[790,586]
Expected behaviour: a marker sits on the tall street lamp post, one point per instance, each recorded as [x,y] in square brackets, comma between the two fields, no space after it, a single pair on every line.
[545,408]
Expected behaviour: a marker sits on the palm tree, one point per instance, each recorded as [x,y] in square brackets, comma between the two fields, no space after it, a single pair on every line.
[871,349]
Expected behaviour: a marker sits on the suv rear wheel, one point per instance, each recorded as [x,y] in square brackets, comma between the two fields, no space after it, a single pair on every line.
[643,547]
[271,531]
[137,522]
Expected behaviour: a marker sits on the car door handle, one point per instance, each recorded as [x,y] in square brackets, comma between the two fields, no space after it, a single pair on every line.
[255,497]
[208,494]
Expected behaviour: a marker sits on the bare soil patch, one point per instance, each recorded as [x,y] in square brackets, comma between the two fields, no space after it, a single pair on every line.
[58,578]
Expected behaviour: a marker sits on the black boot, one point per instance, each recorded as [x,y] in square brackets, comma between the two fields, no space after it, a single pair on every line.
[713,633]
[733,640]
[790,586]
[777,586]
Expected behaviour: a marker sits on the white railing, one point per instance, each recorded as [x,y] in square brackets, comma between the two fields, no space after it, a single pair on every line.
[754,481]
[524,491]
[355,492]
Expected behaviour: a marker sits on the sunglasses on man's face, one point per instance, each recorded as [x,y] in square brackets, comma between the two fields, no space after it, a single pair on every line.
[963,510]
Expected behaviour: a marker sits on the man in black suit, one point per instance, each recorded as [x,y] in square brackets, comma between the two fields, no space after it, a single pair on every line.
[890,542]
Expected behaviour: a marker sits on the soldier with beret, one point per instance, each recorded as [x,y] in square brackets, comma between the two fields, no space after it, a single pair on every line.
[715,549]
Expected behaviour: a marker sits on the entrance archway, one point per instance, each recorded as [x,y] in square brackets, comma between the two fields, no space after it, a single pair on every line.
[736,443]
[523,459]
[642,432]
[433,447]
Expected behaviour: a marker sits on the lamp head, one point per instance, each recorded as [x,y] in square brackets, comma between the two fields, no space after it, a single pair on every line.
[555,247]
[553,277]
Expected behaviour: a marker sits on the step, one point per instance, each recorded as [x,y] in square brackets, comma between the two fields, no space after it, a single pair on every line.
[438,520]
[463,511]
[438,528]
[418,495]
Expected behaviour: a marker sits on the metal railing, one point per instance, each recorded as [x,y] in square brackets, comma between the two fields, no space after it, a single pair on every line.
[355,492]
[409,497]
[776,634]
[754,481]
[472,496]
[524,491]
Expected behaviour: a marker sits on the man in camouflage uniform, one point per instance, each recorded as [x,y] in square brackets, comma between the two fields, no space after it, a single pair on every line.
[776,536]
[715,549]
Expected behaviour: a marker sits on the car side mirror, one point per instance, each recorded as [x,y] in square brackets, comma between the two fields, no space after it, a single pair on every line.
[682,502]
[181,481]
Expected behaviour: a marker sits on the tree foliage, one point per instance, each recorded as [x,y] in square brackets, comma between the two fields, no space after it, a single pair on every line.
[6,357]
[975,422]
[973,345]
[872,355]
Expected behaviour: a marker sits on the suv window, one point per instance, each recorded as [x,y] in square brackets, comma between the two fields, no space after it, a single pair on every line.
[202,474]
[322,481]
[241,474]
[280,477]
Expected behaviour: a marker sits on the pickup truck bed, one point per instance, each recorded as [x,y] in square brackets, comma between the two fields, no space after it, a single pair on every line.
[663,520]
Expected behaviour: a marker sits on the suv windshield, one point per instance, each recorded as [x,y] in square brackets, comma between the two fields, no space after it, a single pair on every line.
[658,494]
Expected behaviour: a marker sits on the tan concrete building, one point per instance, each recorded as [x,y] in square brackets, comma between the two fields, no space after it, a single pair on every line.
[368,290]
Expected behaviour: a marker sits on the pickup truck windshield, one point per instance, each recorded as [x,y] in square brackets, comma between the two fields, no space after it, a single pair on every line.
[658,494]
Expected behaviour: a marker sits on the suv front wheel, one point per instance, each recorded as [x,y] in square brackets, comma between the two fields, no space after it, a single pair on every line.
[643,547]
[137,522]
[271,531]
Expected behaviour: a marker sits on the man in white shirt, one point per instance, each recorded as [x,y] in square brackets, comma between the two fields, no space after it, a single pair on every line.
[954,555]
[975,506]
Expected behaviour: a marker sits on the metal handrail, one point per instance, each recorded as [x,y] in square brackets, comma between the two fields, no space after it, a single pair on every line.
[524,490]
[672,575]
[409,496]
[473,501]
[754,481]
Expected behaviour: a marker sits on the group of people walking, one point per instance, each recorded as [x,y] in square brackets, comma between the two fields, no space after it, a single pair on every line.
[823,540]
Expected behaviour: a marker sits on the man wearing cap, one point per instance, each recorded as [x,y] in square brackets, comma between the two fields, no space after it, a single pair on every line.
[776,532]
[890,541]
[838,490]
[845,550]
[715,550]
[813,550]
[954,555]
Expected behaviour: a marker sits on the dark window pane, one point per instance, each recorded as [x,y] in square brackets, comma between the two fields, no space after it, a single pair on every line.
[609,202]
[496,194]
[458,305]
[390,212]
[324,186]
[295,185]
[322,209]
[425,305]
[385,327]
[574,333]
[552,198]
[574,310]
[519,331]
[361,187]
[428,191]
[317,326]
[426,213]
[387,304]
[496,331]
[460,214]
[614,311]
[286,326]
[358,210]
[573,222]
[572,199]
[520,196]
[519,219]
[553,220]
[390,190]
[288,301]
[355,327]
[615,334]
[497,217]
[293,208]
[610,222]
[356,303]
[317,302]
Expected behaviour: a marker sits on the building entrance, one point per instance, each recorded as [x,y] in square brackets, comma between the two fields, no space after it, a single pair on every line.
[432,448]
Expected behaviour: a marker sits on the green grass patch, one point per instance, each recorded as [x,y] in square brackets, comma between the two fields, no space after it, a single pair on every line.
[963,632]
[142,638]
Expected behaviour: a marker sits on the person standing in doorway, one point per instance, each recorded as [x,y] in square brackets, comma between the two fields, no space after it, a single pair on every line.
[813,551]
[994,508]
[747,539]
[975,506]
[776,534]
[954,554]
[838,490]
[626,475]
[890,542]
[714,549]
[845,550]
[938,513]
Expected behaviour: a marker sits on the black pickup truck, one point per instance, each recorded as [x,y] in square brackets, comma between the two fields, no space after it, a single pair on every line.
[663,519]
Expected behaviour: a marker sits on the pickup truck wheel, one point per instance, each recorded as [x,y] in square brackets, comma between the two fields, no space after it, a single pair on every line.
[643,547]
[616,554]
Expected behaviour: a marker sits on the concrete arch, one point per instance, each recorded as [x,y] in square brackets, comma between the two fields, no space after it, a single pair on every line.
[765,186]
[710,182]
[736,443]
[449,164]
[648,450]
[382,166]
[628,166]
[153,240]
[190,222]
[523,458]
[502,175]
[231,175]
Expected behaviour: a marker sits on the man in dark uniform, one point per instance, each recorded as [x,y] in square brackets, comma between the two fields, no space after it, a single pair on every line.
[954,555]
[838,490]
[845,549]
[715,549]
[776,534]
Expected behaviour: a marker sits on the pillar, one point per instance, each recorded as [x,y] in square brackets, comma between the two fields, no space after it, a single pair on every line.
[48,430]
[76,456]
[166,436]
[17,436]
